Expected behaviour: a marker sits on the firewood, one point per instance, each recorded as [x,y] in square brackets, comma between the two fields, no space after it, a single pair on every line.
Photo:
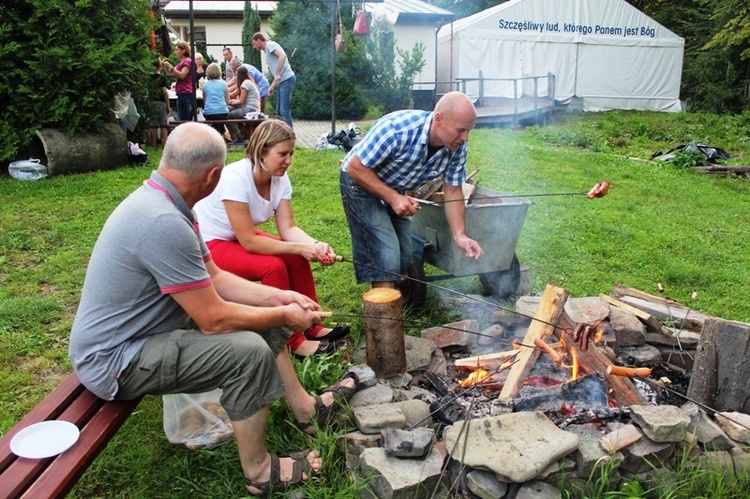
[484,360]
[664,309]
[642,315]
[594,359]
[549,310]
[384,331]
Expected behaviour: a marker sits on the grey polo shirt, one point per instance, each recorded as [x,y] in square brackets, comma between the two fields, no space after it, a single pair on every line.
[148,248]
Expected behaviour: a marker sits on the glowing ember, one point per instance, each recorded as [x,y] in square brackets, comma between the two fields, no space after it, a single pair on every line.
[478,376]
[516,346]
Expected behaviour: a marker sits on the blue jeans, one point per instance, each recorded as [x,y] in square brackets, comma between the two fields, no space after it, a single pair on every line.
[284,99]
[381,239]
[184,107]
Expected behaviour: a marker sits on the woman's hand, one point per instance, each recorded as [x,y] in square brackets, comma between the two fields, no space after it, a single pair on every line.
[315,252]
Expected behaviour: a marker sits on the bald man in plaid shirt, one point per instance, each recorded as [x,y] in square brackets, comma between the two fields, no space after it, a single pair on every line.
[403,150]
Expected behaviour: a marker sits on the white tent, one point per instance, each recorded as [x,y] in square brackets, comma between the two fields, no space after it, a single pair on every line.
[605,52]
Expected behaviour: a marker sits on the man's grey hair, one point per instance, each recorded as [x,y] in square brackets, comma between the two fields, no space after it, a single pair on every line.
[193,149]
[235,62]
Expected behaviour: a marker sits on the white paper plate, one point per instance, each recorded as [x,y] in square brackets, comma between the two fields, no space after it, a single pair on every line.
[45,439]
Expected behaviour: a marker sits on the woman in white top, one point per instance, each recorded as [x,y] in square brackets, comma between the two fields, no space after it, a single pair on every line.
[247,101]
[252,191]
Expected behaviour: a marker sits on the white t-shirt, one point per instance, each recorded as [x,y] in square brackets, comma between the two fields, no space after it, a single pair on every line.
[237,184]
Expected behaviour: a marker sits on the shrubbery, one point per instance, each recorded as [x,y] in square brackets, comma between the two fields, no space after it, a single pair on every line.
[63,61]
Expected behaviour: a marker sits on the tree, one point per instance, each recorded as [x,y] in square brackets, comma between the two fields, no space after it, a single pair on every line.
[304,30]
[391,89]
[64,61]
[250,26]
[717,37]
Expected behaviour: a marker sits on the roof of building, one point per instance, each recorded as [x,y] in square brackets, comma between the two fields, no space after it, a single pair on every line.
[408,10]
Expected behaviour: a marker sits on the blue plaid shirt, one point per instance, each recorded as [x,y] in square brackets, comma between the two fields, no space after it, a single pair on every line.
[395,149]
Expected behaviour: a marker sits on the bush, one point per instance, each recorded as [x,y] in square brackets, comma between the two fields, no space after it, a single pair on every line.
[64,61]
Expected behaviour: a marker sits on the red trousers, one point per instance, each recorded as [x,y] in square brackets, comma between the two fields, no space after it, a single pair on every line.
[287,272]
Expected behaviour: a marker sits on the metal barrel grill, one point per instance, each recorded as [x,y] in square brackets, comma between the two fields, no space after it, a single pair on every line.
[494,220]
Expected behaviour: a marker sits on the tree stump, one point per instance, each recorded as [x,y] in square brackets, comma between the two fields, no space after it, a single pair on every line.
[721,371]
[384,332]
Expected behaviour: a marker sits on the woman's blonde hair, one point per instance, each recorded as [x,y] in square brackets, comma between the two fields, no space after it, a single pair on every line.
[268,134]
[213,71]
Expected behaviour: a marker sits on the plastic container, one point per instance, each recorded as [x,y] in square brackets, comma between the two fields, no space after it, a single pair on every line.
[29,169]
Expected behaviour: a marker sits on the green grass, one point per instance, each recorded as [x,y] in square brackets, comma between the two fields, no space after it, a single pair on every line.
[658,224]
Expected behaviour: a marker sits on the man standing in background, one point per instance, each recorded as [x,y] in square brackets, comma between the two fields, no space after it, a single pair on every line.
[283,76]
[228,72]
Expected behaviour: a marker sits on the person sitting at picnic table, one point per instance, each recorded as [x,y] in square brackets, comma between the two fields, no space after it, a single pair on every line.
[258,77]
[157,316]
[247,101]
[251,192]
[200,70]
[215,96]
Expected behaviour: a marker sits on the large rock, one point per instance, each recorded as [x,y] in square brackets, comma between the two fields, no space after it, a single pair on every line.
[517,446]
[588,309]
[629,331]
[736,425]
[456,335]
[418,353]
[662,423]
[395,478]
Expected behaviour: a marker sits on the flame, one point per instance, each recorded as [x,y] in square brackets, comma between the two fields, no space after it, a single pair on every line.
[475,377]
[574,366]
[516,346]
[598,335]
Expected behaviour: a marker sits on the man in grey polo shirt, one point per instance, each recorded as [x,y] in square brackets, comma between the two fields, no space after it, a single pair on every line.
[158,316]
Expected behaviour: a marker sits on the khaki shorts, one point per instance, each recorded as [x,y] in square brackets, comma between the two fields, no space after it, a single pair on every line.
[242,364]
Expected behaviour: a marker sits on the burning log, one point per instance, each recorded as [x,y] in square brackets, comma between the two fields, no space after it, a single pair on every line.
[486,360]
[549,310]
[594,359]
[642,372]
[384,332]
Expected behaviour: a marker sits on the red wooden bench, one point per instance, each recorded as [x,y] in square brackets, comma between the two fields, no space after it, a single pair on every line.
[98,421]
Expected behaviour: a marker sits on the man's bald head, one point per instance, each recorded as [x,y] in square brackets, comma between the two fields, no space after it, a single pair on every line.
[454,118]
[192,149]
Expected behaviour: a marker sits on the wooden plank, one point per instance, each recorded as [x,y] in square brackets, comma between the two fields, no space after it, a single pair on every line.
[483,360]
[642,315]
[594,359]
[22,473]
[664,309]
[49,408]
[72,463]
[547,313]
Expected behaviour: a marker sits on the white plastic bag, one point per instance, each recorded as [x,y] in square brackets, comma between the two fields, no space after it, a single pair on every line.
[196,420]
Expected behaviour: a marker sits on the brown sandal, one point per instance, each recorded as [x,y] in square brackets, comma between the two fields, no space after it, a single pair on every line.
[300,468]
[324,413]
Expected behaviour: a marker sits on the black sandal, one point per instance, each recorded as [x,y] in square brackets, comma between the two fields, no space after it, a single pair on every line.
[337,333]
[324,346]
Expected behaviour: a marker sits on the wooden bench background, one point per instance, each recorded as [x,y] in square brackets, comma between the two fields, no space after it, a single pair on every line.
[247,127]
[97,420]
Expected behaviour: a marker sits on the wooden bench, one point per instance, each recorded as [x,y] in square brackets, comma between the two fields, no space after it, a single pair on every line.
[98,421]
[247,127]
